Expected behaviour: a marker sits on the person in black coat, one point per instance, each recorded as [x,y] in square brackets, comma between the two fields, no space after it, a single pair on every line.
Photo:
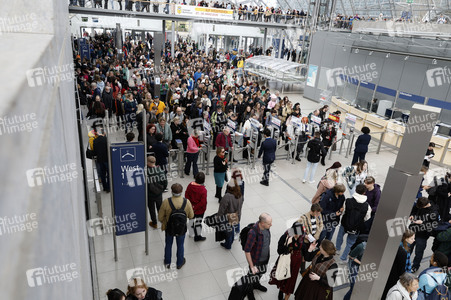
[268,149]
[161,152]
[361,145]
[332,204]
[424,219]
[401,263]
[100,148]
[328,134]
[316,149]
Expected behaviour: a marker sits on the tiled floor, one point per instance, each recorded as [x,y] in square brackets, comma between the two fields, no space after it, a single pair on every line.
[205,274]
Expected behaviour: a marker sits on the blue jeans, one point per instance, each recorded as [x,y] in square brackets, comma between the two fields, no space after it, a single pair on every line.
[353,271]
[350,240]
[420,245]
[191,158]
[313,167]
[230,236]
[328,232]
[180,240]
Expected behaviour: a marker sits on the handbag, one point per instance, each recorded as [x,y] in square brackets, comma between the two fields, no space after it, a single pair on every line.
[283,270]
[233,218]
[90,154]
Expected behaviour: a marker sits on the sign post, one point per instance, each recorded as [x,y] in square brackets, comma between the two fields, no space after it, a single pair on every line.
[129,189]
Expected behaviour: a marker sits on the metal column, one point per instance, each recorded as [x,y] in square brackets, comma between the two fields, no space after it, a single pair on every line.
[264,40]
[172,38]
[400,189]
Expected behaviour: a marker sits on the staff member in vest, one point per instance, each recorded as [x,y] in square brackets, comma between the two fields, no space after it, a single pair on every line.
[177,202]
[268,150]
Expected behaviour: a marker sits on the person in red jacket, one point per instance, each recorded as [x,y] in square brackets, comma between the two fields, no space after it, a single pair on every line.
[196,193]
[224,139]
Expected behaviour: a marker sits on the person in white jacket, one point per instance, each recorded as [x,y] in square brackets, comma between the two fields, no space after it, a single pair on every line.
[405,289]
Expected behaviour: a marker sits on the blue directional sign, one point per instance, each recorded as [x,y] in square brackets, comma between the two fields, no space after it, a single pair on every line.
[129,187]
[83,48]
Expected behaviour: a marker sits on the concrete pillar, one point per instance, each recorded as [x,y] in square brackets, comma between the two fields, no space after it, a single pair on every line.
[280,44]
[400,188]
[239,43]
[172,38]
[207,37]
[245,44]
[158,42]
[264,40]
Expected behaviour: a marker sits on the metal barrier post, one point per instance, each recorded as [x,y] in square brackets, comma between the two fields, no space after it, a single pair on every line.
[380,143]
[207,155]
[232,150]
[181,158]
[144,133]
[351,141]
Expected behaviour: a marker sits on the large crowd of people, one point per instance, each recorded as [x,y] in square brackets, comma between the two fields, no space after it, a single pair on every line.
[194,85]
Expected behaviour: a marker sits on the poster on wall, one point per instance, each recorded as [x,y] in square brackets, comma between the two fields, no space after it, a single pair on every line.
[311,76]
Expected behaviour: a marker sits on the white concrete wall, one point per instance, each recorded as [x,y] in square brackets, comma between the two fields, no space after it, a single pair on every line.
[35,34]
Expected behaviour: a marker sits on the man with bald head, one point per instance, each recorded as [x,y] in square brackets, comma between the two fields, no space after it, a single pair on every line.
[257,252]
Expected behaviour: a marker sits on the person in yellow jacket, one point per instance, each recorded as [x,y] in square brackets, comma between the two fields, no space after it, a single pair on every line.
[159,104]
[92,136]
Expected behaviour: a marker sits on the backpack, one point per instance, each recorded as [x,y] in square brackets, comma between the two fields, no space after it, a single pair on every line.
[352,219]
[244,234]
[176,225]
[440,292]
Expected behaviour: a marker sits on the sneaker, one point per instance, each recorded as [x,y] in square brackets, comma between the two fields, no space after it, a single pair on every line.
[414,270]
[260,287]
[237,236]
[341,262]
[199,238]
[303,180]
[311,181]
[184,262]
[224,245]
[264,183]
[165,190]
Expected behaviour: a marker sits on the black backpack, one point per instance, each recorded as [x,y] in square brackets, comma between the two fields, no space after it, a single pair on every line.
[354,214]
[176,225]
[244,233]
